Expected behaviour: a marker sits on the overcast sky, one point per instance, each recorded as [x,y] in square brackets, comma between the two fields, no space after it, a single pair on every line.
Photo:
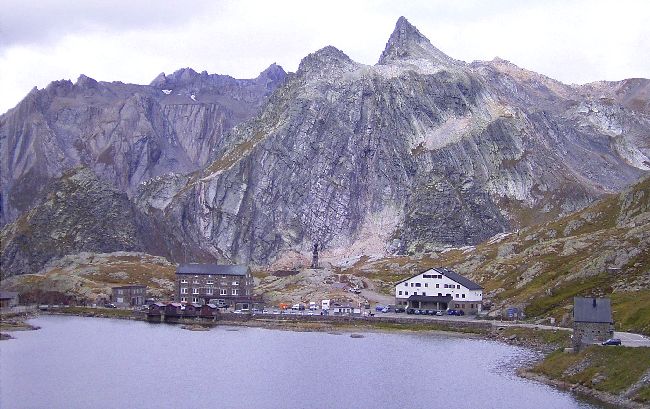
[133,41]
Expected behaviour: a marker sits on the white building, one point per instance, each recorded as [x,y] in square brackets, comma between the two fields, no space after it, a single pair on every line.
[439,289]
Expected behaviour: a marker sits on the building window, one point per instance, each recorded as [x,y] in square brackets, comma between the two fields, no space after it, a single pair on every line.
[195,282]
[426,284]
[418,284]
[209,291]
[235,283]
[183,281]
[439,294]
[194,299]
[406,284]
[223,291]
[463,295]
[183,299]
[209,282]
[184,290]
[437,285]
[471,306]
[406,293]
[412,284]
[400,293]
[424,293]
[456,305]
[458,286]
[235,291]
[195,290]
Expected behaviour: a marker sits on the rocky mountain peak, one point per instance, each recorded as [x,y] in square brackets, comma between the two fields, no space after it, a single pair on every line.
[407,43]
[326,60]
[85,82]
[274,73]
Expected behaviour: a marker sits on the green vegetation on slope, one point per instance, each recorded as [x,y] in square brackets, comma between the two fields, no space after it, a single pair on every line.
[607,369]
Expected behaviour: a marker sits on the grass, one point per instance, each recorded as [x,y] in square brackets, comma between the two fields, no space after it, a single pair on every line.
[643,394]
[631,311]
[619,367]
[109,312]
[543,338]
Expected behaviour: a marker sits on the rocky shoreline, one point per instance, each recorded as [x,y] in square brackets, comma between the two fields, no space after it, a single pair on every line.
[583,391]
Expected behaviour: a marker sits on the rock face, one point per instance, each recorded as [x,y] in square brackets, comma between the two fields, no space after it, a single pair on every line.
[125,133]
[420,149]
[79,213]
[451,153]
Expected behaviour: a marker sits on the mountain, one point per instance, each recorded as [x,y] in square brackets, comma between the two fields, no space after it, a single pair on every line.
[125,133]
[418,152]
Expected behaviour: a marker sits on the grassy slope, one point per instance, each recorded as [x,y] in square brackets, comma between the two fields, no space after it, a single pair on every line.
[607,369]
[542,267]
[88,276]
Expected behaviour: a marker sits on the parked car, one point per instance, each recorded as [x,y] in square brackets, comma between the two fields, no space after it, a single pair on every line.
[451,312]
[378,308]
[400,310]
[410,311]
[438,313]
[385,309]
[612,341]
[110,305]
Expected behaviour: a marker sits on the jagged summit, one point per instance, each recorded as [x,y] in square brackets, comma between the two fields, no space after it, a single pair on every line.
[327,59]
[274,72]
[407,43]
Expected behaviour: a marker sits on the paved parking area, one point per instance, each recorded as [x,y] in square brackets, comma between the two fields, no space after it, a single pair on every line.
[632,340]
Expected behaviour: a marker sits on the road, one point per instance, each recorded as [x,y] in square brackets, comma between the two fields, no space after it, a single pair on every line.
[628,339]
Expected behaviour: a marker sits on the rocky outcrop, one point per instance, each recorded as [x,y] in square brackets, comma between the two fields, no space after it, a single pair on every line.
[456,153]
[125,133]
[79,213]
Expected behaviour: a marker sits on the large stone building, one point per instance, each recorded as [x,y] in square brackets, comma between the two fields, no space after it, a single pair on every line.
[592,321]
[214,283]
[439,289]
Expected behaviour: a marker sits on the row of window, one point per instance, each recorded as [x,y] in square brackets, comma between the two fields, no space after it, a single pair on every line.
[437,285]
[209,282]
[194,299]
[210,291]
[425,293]
[463,306]
[432,276]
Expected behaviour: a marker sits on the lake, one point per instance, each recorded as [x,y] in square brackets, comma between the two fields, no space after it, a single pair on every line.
[74,362]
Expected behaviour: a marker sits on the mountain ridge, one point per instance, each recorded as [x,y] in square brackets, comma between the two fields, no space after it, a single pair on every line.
[400,157]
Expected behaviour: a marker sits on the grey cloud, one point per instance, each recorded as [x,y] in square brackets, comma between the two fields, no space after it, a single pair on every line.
[42,22]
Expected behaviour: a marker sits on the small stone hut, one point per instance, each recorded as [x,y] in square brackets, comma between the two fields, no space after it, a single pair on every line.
[592,321]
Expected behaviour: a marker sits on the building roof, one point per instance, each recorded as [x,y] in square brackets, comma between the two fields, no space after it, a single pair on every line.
[216,269]
[465,282]
[430,298]
[592,310]
[4,295]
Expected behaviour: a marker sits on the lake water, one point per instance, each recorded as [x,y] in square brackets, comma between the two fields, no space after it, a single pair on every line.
[74,362]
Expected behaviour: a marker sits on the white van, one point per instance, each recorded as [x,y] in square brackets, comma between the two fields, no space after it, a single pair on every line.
[312,306]
[325,305]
